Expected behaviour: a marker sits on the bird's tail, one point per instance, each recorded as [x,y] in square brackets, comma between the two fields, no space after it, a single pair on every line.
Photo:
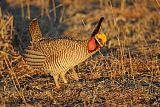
[35,31]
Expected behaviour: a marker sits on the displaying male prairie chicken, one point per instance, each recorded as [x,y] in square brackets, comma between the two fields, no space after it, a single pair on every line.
[57,56]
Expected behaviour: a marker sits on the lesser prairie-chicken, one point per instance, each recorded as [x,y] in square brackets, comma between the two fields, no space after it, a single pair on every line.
[57,56]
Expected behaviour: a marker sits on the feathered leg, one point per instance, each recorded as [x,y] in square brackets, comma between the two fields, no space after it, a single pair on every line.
[63,77]
[56,77]
[74,74]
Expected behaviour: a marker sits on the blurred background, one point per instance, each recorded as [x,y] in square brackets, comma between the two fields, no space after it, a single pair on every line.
[127,74]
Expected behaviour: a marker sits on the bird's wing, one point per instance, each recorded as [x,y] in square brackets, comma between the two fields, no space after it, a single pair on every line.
[34,58]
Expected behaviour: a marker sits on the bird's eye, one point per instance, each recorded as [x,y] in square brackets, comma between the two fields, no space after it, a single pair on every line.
[99,40]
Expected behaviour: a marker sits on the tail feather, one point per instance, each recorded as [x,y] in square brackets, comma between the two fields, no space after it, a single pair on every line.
[35,31]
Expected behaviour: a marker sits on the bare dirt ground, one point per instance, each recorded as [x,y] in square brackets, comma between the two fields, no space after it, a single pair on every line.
[126,74]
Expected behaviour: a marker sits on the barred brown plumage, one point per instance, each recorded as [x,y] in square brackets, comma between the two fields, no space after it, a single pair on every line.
[59,55]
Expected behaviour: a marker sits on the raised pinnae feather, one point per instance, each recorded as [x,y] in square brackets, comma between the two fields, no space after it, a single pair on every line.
[35,31]
[98,26]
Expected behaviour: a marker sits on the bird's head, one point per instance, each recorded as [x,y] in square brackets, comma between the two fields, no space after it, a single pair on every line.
[98,39]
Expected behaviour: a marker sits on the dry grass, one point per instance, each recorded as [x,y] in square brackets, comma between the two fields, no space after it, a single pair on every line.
[127,75]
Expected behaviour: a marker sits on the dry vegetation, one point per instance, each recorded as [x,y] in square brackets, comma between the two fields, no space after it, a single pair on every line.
[127,74]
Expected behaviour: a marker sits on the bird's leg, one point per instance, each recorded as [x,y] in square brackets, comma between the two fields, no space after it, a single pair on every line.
[75,75]
[56,77]
[63,77]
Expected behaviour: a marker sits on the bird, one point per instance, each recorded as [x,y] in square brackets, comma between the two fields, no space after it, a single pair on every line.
[58,55]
